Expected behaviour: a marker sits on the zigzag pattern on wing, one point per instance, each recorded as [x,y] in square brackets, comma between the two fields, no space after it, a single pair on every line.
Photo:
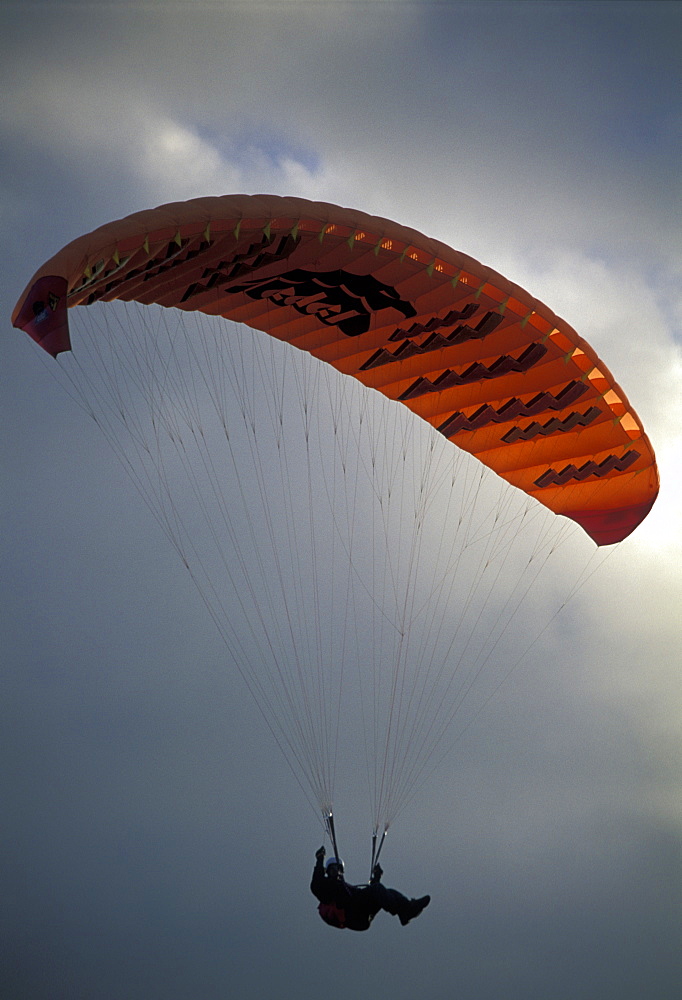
[512,409]
[610,464]
[477,372]
[436,342]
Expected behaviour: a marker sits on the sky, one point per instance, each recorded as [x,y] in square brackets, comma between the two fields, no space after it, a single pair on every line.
[155,843]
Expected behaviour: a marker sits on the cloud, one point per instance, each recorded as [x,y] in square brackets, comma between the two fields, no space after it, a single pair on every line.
[176,164]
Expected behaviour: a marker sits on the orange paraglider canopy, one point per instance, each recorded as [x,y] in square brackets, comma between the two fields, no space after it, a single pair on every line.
[487,365]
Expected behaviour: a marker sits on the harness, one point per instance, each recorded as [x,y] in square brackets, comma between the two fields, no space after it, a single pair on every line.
[332,915]
[336,917]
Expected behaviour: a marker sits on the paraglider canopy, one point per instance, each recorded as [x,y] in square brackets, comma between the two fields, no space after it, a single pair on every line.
[490,367]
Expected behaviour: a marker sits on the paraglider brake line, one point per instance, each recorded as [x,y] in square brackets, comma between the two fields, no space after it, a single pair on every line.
[375,852]
[329,823]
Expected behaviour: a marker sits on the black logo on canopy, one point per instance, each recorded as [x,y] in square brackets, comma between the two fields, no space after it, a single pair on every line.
[336,298]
